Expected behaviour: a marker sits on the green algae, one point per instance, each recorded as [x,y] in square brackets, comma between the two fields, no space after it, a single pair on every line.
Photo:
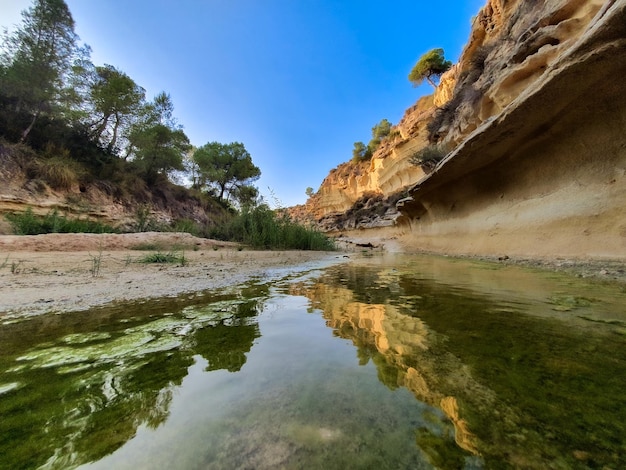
[81,338]
[92,379]
[5,388]
[566,303]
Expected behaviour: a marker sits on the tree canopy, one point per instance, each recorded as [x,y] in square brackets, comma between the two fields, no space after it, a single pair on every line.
[117,101]
[160,149]
[432,64]
[379,132]
[362,152]
[228,168]
[36,59]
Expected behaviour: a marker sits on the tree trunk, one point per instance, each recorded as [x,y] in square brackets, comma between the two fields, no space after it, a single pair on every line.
[29,128]
[97,133]
[111,145]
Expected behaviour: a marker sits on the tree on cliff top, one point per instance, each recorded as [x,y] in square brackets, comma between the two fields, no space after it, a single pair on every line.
[361,152]
[431,64]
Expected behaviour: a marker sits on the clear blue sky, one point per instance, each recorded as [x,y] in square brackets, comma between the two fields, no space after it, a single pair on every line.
[297,81]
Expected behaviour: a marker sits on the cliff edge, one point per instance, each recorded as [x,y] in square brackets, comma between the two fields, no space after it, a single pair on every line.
[532,118]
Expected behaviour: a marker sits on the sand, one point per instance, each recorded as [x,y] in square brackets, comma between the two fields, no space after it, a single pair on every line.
[60,272]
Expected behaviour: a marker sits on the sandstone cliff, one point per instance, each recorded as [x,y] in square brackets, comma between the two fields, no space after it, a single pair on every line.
[534,113]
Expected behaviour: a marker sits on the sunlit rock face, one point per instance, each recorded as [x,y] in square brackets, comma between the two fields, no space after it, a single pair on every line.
[512,45]
[387,172]
[533,116]
[545,172]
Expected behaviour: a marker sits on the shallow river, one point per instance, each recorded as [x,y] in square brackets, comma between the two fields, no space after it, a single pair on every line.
[384,362]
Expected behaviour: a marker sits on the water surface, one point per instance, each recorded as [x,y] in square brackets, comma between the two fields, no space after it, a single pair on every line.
[382,362]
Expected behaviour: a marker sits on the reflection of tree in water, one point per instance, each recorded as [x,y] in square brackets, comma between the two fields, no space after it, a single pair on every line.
[81,417]
[144,398]
[225,344]
[83,400]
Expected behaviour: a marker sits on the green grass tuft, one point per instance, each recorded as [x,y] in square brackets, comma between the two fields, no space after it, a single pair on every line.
[27,223]
[164,258]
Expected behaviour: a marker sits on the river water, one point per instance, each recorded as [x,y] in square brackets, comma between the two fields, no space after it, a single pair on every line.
[388,361]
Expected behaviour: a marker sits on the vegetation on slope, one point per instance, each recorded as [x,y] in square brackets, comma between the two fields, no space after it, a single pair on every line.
[70,126]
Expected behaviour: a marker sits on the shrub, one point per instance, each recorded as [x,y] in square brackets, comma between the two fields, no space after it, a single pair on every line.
[163,258]
[187,226]
[361,152]
[428,157]
[144,222]
[27,223]
[59,172]
[443,117]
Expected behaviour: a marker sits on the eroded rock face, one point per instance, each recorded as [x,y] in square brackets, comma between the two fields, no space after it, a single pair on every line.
[512,45]
[388,172]
[535,113]
[547,174]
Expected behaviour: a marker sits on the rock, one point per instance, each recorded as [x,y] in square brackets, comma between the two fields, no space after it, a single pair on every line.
[533,114]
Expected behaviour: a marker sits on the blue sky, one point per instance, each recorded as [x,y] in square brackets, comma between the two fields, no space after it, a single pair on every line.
[297,81]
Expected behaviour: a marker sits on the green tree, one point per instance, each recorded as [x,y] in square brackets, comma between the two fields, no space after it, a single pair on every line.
[309,191]
[226,167]
[161,110]
[75,99]
[160,150]
[361,152]
[157,143]
[432,64]
[117,101]
[379,132]
[246,195]
[36,59]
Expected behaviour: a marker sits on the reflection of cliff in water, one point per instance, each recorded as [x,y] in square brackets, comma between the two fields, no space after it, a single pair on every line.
[91,389]
[511,383]
[397,344]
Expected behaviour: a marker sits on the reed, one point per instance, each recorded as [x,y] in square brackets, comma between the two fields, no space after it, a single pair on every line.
[260,227]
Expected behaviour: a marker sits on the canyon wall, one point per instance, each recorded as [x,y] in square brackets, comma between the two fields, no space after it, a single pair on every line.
[535,115]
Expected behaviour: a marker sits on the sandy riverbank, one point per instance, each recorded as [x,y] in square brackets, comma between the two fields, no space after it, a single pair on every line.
[54,273]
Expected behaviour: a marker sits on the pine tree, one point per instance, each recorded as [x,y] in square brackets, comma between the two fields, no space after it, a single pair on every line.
[36,60]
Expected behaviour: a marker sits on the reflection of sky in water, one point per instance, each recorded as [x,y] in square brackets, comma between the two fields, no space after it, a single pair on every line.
[399,362]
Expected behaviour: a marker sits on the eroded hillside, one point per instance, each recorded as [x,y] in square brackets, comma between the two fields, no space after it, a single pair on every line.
[534,115]
[125,205]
